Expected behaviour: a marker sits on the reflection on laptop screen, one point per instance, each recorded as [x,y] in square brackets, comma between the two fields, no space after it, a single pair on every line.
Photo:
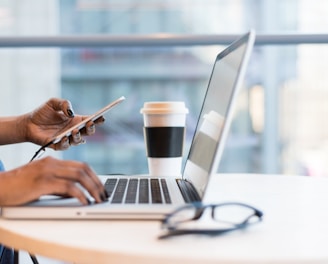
[214,116]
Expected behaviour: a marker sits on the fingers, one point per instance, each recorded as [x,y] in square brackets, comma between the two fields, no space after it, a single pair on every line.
[68,189]
[67,174]
[61,105]
[90,128]
[82,174]
[99,120]
[76,138]
[62,145]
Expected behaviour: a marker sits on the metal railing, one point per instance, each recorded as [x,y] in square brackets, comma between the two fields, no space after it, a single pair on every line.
[154,40]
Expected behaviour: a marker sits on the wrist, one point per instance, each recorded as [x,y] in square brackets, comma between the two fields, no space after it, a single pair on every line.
[22,127]
[12,129]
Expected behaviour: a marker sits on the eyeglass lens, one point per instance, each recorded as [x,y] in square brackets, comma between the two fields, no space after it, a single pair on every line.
[232,213]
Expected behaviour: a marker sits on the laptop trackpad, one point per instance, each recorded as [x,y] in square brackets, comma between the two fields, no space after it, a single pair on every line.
[54,200]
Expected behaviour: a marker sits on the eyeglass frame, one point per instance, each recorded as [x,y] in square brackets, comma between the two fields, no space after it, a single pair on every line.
[200,208]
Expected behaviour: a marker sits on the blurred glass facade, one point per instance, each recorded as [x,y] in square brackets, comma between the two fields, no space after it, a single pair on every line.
[279,124]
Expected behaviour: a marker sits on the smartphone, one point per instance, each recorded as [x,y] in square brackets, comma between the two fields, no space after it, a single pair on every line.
[93,117]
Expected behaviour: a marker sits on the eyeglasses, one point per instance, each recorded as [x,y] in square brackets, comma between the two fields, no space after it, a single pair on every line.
[224,217]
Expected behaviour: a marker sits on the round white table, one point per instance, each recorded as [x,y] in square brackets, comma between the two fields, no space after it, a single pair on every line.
[294,229]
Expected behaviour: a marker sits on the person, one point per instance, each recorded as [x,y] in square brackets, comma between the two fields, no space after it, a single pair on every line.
[48,175]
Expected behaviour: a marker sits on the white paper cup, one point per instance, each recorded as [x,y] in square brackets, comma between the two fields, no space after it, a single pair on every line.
[164,134]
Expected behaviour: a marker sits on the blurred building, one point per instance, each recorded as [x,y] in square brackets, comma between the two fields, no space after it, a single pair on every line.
[279,124]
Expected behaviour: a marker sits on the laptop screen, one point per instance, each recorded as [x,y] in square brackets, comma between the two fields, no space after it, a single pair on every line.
[216,114]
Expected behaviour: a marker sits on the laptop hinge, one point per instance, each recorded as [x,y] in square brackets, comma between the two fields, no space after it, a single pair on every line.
[188,191]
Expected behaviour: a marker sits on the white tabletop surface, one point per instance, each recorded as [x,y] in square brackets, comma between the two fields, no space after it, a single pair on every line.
[294,229]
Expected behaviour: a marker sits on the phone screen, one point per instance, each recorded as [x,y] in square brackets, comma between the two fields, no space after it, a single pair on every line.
[92,117]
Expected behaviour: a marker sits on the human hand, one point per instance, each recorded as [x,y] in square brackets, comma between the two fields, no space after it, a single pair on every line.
[54,117]
[50,176]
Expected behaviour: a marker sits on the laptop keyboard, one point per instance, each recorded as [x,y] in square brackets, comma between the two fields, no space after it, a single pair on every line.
[137,190]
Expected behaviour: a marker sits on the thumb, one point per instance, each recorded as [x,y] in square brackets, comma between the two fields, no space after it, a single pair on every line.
[62,105]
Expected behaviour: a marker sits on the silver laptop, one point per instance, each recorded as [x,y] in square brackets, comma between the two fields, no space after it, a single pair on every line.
[143,197]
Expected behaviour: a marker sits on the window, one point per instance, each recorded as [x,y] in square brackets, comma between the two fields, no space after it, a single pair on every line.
[279,122]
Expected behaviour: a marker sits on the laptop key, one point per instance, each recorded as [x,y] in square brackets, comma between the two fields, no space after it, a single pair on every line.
[165,191]
[144,191]
[119,192]
[132,191]
[155,191]
[110,185]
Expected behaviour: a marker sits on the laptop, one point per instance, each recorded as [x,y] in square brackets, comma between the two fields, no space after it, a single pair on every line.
[146,197]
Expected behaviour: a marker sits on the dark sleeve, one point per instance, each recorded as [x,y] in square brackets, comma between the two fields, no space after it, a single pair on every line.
[6,254]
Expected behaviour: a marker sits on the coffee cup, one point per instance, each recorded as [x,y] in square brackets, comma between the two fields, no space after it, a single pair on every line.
[164,135]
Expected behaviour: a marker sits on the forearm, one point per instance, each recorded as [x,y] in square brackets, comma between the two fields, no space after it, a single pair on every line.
[12,130]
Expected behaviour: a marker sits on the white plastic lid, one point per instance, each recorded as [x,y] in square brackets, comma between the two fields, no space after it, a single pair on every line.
[164,107]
